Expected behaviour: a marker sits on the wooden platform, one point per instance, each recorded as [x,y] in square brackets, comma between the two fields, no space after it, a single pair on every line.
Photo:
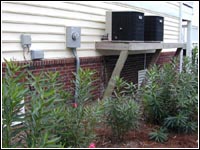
[125,46]
[136,46]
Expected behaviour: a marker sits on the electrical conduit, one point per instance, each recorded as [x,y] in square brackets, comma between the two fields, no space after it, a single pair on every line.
[77,75]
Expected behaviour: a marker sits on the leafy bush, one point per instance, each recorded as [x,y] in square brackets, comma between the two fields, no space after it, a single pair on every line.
[85,86]
[13,94]
[48,121]
[44,102]
[45,112]
[195,55]
[81,117]
[180,123]
[158,101]
[159,135]
[171,98]
[122,112]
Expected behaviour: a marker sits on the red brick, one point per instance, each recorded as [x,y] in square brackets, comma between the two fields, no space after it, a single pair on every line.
[103,66]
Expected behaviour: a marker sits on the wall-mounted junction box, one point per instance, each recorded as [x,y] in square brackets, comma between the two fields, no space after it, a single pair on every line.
[73,37]
[37,54]
[25,41]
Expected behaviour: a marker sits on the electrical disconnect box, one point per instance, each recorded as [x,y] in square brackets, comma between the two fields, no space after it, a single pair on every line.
[37,54]
[26,41]
[73,37]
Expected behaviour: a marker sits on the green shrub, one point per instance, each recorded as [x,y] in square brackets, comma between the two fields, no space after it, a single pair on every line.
[159,135]
[122,112]
[195,55]
[81,117]
[170,98]
[13,94]
[45,112]
[49,121]
[156,93]
[45,106]
[180,123]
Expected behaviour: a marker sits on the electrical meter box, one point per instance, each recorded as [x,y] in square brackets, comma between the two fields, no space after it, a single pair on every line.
[73,37]
[153,28]
[125,25]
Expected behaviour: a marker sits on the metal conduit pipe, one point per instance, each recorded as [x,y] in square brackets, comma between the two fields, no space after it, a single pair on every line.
[77,75]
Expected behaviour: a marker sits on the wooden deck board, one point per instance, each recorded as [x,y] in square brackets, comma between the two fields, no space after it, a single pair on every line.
[134,46]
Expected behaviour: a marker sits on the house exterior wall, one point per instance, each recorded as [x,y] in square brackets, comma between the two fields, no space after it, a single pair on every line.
[65,67]
[103,66]
[46,23]
[133,64]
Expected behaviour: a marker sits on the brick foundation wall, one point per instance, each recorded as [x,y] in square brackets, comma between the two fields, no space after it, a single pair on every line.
[66,67]
[133,64]
[165,57]
[102,65]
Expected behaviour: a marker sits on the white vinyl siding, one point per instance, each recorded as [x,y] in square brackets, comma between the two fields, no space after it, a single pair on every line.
[46,23]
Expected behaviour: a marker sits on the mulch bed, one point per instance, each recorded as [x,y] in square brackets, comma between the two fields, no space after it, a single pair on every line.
[139,139]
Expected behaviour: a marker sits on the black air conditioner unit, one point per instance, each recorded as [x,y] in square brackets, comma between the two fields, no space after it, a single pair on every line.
[125,26]
[153,28]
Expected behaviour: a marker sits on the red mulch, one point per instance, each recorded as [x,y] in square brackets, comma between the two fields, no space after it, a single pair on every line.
[139,139]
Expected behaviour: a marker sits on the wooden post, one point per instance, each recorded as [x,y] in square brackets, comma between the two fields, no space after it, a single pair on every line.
[155,57]
[178,51]
[116,72]
[177,56]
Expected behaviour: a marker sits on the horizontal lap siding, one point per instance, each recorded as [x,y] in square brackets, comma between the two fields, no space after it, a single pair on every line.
[47,21]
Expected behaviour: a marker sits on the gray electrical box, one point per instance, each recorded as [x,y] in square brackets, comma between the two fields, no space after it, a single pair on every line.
[26,41]
[73,37]
[37,54]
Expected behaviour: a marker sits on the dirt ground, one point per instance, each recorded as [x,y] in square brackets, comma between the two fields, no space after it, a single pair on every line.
[139,139]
